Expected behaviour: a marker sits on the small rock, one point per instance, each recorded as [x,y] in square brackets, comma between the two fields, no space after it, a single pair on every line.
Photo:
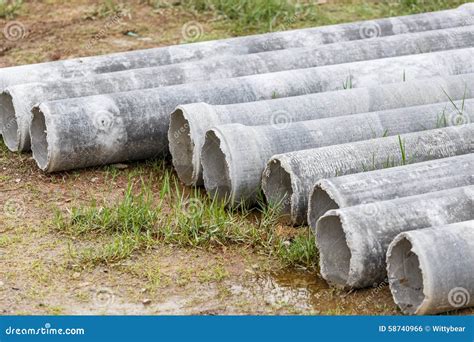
[2,283]
[94,179]
[146,301]
[18,180]
[76,275]
[120,166]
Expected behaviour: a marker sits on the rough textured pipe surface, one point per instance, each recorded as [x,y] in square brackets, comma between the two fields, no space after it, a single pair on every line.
[134,125]
[234,155]
[430,270]
[243,45]
[189,123]
[289,178]
[23,97]
[353,241]
[386,184]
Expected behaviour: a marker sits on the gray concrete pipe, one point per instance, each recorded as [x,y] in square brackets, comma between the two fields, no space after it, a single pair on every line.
[431,270]
[289,178]
[52,71]
[386,184]
[353,241]
[189,123]
[232,170]
[22,98]
[138,121]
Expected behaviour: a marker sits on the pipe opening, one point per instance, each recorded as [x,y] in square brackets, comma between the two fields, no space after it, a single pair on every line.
[39,138]
[9,127]
[181,146]
[216,170]
[406,278]
[320,203]
[334,253]
[278,189]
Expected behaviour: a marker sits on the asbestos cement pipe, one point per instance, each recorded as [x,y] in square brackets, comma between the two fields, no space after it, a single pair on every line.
[353,241]
[189,123]
[431,270]
[289,178]
[134,125]
[386,184]
[232,169]
[77,67]
[21,98]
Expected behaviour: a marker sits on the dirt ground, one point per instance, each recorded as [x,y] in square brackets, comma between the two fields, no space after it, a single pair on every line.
[38,270]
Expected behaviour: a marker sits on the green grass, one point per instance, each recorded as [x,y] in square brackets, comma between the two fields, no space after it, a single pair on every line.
[9,8]
[258,16]
[141,220]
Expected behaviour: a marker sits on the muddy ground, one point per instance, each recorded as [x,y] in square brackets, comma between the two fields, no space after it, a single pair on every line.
[39,273]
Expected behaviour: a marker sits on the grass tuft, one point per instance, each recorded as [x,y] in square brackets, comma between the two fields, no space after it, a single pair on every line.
[9,8]
[140,220]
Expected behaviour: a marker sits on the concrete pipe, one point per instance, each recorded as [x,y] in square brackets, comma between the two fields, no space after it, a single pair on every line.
[52,71]
[189,123]
[386,184]
[23,97]
[142,116]
[289,178]
[431,270]
[353,241]
[233,170]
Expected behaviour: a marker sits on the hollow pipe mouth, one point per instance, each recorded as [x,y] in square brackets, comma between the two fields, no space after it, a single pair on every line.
[185,155]
[9,123]
[320,201]
[39,139]
[405,274]
[216,165]
[278,188]
[334,251]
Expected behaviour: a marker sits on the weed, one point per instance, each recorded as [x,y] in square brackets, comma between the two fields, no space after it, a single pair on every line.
[347,84]
[9,8]
[108,8]
[139,221]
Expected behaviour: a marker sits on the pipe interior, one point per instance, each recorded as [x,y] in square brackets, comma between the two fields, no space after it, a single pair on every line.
[181,147]
[215,167]
[39,138]
[321,202]
[334,252]
[8,120]
[406,278]
[278,189]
